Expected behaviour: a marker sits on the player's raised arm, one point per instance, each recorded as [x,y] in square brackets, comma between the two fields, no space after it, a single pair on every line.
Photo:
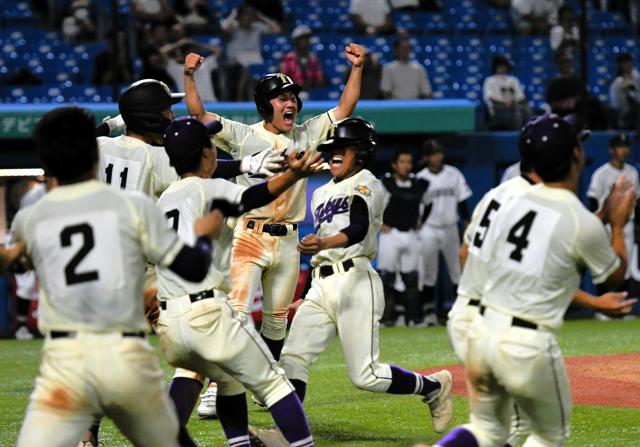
[351,94]
[191,64]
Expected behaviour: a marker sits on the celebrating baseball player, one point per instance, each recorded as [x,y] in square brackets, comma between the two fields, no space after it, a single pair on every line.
[404,197]
[535,245]
[449,192]
[88,243]
[346,296]
[197,327]
[264,249]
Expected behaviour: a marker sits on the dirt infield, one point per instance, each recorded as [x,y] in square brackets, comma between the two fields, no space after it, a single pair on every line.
[606,380]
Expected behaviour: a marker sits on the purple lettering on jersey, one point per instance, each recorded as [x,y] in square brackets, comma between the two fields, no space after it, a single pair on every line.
[326,211]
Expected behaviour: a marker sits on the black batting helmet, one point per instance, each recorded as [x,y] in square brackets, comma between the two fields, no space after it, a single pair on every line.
[142,103]
[271,86]
[352,132]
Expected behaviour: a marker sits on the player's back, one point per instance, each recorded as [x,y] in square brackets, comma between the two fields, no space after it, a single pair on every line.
[182,203]
[88,243]
[475,272]
[133,165]
[537,244]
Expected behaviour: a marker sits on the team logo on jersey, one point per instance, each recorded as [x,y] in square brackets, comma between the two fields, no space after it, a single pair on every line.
[363,190]
[325,212]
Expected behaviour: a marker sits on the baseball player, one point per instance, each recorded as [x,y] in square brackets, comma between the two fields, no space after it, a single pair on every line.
[264,249]
[404,197]
[88,243]
[197,327]
[512,171]
[603,179]
[535,247]
[346,297]
[448,192]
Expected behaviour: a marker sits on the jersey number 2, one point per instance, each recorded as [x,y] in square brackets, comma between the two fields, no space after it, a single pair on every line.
[123,175]
[70,273]
[518,235]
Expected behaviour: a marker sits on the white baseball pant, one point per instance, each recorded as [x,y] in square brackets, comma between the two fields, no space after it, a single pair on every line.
[348,304]
[434,240]
[209,337]
[398,251]
[274,260]
[507,363]
[94,374]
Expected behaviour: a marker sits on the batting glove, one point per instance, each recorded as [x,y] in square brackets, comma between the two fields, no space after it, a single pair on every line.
[265,163]
[115,124]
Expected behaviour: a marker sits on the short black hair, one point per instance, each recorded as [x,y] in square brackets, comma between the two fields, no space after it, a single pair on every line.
[398,152]
[563,9]
[65,140]
[499,60]
[431,146]
[400,40]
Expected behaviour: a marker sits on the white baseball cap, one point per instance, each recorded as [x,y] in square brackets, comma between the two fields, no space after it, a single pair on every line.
[301,31]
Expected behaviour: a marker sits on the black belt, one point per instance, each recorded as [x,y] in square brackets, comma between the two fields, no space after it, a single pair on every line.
[515,321]
[474,303]
[73,334]
[193,297]
[274,229]
[327,270]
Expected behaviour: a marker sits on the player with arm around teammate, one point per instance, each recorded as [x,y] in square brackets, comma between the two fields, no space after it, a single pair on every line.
[537,243]
[346,297]
[88,243]
[197,327]
[264,249]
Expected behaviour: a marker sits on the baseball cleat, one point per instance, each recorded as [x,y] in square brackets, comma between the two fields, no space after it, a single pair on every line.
[207,407]
[267,437]
[441,406]
[23,334]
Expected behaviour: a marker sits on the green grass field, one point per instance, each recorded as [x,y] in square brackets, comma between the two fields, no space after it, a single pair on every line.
[341,415]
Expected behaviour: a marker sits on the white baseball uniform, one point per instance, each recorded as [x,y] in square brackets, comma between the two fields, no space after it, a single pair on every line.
[258,256]
[439,233]
[207,335]
[537,245]
[474,274]
[131,164]
[602,180]
[349,302]
[88,244]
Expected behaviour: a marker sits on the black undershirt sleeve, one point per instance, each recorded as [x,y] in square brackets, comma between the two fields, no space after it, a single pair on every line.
[103,130]
[192,263]
[463,210]
[425,214]
[358,221]
[227,169]
[593,204]
[256,196]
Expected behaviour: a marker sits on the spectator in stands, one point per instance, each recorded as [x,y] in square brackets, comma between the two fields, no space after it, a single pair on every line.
[404,78]
[244,29]
[113,65]
[301,64]
[78,26]
[371,17]
[270,8]
[565,35]
[154,66]
[193,15]
[371,77]
[175,54]
[154,11]
[624,94]
[507,107]
[534,17]
[23,76]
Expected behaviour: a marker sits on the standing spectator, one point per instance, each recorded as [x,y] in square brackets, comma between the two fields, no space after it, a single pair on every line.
[371,76]
[601,183]
[114,63]
[507,106]
[302,65]
[404,197]
[404,78]
[371,17]
[193,15]
[566,34]
[154,11]
[154,66]
[625,94]
[78,26]
[439,233]
[175,54]
[244,29]
[534,17]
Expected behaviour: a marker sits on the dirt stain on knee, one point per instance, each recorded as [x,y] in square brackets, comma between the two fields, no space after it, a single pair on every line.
[60,399]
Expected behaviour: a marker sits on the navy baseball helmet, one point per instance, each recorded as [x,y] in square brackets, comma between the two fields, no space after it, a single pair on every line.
[269,87]
[352,132]
[184,139]
[430,147]
[547,143]
[619,141]
[142,103]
